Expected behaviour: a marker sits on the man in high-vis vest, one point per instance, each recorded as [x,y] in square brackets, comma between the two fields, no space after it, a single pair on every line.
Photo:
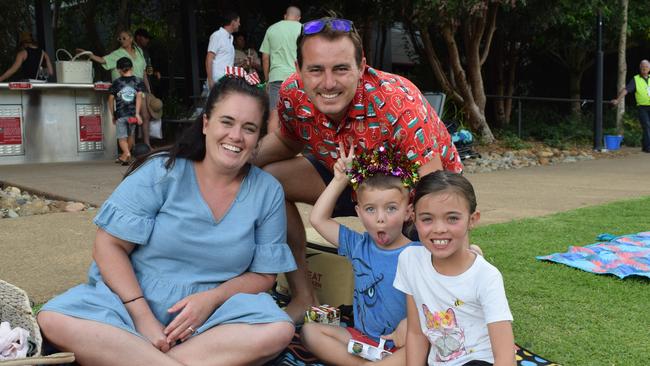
[640,86]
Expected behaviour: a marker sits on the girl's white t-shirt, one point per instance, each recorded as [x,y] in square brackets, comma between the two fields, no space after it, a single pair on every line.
[454,311]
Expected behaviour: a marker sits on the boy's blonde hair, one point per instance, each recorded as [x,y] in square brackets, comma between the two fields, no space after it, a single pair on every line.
[382,182]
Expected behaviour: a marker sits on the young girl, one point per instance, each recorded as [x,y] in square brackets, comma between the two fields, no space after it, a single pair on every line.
[457,309]
[381,182]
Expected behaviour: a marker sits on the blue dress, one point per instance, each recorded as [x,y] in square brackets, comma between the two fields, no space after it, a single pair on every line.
[181,249]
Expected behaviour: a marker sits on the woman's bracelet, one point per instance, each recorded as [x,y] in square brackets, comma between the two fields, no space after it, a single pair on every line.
[132,300]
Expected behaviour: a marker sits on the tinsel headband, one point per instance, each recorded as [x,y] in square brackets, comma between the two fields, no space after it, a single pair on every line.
[383,161]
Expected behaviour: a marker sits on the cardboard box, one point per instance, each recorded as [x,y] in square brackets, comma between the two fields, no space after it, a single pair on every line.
[330,274]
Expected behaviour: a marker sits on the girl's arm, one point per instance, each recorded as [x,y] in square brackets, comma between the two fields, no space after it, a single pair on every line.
[112,257]
[20,58]
[48,64]
[503,343]
[321,215]
[417,344]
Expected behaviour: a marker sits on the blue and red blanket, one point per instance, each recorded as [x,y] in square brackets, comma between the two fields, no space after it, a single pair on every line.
[622,256]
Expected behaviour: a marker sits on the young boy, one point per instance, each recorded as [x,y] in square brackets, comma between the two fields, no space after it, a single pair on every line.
[126,96]
[381,182]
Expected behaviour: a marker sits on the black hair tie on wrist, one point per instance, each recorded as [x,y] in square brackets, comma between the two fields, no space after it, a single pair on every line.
[132,300]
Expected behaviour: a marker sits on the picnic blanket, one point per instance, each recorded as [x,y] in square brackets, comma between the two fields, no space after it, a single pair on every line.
[622,256]
[297,355]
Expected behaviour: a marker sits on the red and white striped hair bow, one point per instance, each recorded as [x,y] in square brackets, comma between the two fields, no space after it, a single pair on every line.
[251,78]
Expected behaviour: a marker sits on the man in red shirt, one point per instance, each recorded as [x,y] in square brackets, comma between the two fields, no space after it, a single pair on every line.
[334,96]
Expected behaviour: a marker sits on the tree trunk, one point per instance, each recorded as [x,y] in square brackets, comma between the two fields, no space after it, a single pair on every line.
[505,60]
[622,67]
[575,76]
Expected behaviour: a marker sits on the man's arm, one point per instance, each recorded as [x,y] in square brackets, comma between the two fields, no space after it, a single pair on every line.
[630,87]
[274,147]
[431,166]
[209,57]
[266,65]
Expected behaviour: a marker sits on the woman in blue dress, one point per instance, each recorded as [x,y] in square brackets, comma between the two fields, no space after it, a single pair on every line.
[186,248]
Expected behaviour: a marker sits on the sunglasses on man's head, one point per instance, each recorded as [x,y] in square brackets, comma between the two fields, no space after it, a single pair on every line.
[336,24]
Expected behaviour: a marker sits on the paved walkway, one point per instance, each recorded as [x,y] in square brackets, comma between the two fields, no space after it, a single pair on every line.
[47,254]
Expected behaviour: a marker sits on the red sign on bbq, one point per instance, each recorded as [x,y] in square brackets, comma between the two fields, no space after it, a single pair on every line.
[90,128]
[10,133]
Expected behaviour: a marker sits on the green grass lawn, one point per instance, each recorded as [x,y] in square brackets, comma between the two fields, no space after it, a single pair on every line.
[564,314]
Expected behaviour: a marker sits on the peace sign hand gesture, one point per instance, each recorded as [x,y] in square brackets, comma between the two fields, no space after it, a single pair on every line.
[343,163]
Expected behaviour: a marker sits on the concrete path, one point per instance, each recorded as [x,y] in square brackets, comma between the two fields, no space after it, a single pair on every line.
[47,254]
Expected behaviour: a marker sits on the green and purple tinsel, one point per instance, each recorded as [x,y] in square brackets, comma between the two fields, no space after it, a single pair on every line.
[385,162]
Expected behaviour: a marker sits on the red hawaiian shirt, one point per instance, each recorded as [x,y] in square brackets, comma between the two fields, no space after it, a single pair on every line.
[386,110]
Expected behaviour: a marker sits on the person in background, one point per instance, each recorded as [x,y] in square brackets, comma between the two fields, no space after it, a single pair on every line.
[187,247]
[279,57]
[246,57]
[640,86]
[29,60]
[142,39]
[221,52]
[334,97]
[128,49]
[126,97]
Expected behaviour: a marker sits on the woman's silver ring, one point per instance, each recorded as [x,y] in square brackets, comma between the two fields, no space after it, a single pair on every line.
[192,330]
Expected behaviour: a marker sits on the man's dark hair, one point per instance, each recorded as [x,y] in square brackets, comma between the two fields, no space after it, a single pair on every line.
[142,32]
[228,17]
[332,35]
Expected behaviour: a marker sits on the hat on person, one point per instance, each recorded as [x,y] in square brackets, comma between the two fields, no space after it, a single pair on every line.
[142,32]
[26,37]
[124,63]
[155,106]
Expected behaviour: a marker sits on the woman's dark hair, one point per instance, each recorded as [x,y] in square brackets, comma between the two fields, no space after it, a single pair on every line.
[440,181]
[191,144]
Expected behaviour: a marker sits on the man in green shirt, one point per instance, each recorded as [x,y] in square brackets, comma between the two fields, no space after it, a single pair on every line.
[640,86]
[279,57]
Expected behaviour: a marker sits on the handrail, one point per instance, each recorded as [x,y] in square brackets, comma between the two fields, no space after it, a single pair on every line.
[540,99]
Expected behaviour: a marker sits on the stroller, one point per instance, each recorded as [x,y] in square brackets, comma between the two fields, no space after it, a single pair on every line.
[463,140]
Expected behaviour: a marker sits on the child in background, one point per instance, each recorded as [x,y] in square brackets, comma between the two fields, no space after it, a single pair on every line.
[458,313]
[126,93]
[381,182]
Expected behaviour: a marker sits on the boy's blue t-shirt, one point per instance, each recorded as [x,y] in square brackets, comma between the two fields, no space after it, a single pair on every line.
[378,306]
[125,89]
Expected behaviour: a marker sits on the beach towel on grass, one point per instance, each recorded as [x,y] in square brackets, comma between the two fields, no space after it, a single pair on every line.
[622,256]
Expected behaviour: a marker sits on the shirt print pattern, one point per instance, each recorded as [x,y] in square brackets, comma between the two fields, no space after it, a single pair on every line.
[386,110]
